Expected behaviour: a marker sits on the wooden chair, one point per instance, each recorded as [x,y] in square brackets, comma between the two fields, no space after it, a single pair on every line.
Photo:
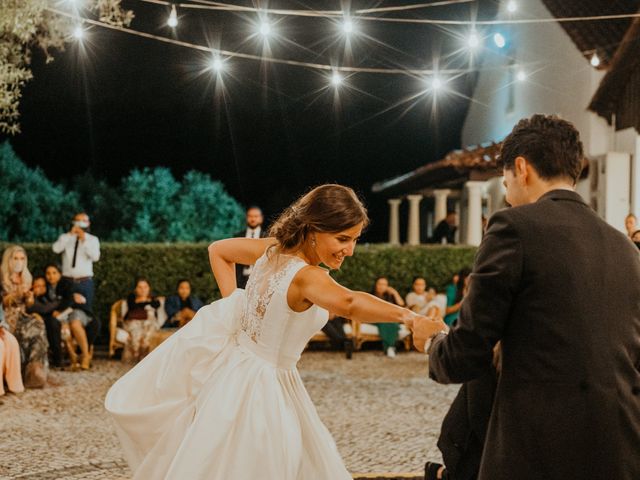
[116,316]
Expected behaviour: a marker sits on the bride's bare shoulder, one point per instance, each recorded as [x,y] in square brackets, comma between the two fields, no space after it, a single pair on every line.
[241,250]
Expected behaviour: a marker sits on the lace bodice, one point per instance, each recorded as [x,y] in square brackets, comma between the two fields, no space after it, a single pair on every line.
[267,320]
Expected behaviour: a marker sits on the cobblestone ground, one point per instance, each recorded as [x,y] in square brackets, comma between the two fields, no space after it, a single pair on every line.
[384,414]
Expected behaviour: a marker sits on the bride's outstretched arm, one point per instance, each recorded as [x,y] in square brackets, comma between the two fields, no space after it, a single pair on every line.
[316,286]
[224,254]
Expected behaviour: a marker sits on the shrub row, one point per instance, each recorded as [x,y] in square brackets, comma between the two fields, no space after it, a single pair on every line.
[165,264]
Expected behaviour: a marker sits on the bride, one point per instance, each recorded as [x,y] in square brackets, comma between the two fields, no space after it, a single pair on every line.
[222,398]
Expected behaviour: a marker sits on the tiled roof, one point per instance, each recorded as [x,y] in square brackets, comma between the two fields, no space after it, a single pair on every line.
[602,36]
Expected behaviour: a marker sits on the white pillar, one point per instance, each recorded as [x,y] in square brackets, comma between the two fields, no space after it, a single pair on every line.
[474,212]
[616,188]
[413,234]
[394,221]
[441,204]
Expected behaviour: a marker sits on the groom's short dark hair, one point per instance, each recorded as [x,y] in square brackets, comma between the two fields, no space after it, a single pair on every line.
[552,145]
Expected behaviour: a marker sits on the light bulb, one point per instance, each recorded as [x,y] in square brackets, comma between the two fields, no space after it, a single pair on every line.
[521,75]
[265,29]
[595,60]
[336,79]
[473,41]
[217,64]
[78,32]
[436,83]
[499,40]
[347,26]
[512,6]
[173,17]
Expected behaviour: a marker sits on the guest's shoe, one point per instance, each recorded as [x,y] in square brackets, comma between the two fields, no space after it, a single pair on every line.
[85,363]
[35,376]
[348,348]
[431,470]
[391,352]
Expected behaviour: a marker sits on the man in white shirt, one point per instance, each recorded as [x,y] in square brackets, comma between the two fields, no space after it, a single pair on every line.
[79,251]
[254,230]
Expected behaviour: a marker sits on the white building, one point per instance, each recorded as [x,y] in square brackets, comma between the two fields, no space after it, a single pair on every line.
[547,68]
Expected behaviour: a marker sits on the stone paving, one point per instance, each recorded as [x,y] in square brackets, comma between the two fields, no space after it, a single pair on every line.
[384,414]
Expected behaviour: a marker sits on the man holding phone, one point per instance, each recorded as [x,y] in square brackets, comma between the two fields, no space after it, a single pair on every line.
[79,251]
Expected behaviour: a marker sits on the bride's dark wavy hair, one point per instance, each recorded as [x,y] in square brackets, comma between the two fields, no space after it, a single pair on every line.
[328,208]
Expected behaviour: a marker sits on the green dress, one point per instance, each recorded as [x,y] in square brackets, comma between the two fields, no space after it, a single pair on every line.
[388,331]
[452,291]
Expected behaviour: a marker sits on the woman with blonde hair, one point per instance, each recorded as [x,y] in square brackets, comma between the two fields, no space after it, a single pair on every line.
[29,329]
[222,397]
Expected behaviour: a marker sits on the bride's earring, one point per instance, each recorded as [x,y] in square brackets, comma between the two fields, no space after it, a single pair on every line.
[313,242]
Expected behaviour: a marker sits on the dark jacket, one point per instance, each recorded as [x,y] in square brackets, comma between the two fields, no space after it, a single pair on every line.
[172,305]
[561,289]
[241,278]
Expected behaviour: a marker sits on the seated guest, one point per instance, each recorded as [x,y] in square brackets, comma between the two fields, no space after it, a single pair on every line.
[419,297]
[388,331]
[45,305]
[73,315]
[454,296]
[29,329]
[630,224]
[182,306]
[140,321]
[445,231]
[334,330]
[9,359]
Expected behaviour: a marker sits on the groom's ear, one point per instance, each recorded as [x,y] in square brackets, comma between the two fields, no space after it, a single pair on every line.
[521,169]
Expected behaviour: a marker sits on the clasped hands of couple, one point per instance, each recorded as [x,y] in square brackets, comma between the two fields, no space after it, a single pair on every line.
[424,329]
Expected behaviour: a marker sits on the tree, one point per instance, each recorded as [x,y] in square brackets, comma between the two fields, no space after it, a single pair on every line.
[32,208]
[26,25]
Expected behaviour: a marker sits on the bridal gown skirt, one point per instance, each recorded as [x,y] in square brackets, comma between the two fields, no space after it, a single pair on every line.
[205,405]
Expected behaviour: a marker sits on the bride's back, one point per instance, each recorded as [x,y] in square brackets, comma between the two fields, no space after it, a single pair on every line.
[269,326]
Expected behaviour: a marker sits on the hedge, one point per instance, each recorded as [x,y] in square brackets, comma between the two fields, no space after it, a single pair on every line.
[165,264]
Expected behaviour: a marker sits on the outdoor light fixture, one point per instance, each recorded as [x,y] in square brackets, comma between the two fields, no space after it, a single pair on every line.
[436,83]
[512,6]
[595,60]
[347,26]
[473,41]
[173,17]
[78,32]
[265,28]
[217,65]
[499,40]
[336,79]
[521,75]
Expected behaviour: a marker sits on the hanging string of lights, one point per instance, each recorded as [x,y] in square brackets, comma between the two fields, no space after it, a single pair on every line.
[436,78]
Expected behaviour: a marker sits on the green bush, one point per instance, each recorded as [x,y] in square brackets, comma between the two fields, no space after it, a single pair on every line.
[165,264]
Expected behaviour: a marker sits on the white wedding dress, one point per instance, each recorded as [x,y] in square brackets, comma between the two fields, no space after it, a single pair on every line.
[222,398]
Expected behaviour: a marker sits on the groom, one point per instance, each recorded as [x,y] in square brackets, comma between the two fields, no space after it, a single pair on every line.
[560,289]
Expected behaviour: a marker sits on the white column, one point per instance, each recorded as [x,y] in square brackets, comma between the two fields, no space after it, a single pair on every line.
[441,204]
[413,234]
[617,188]
[394,221]
[474,212]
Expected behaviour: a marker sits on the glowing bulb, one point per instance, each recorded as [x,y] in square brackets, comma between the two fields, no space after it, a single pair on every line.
[473,41]
[265,29]
[595,60]
[512,6]
[336,79]
[499,40]
[217,65]
[78,32]
[521,75]
[347,26]
[436,83]
[173,17]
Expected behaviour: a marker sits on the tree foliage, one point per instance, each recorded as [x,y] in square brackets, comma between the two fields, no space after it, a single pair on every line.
[26,25]
[148,205]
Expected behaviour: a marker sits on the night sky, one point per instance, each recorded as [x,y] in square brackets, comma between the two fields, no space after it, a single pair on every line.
[273,131]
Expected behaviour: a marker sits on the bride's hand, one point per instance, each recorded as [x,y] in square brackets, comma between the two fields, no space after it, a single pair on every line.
[425,328]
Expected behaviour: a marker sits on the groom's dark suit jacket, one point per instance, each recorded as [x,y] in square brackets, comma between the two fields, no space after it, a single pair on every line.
[561,289]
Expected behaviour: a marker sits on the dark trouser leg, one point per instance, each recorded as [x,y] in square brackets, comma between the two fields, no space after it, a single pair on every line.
[334,330]
[93,330]
[86,289]
[52,326]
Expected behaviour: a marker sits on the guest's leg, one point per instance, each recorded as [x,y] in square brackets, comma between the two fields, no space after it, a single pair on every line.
[93,330]
[132,348]
[32,338]
[335,331]
[388,334]
[11,364]
[149,327]
[80,336]
[52,327]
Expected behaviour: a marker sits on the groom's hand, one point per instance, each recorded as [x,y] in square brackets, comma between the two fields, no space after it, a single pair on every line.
[424,328]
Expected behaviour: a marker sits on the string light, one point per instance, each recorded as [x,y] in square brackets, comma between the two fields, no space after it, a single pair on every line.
[473,40]
[499,40]
[265,28]
[521,75]
[347,26]
[173,17]
[595,60]
[512,6]
[217,64]
[78,32]
[336,79]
